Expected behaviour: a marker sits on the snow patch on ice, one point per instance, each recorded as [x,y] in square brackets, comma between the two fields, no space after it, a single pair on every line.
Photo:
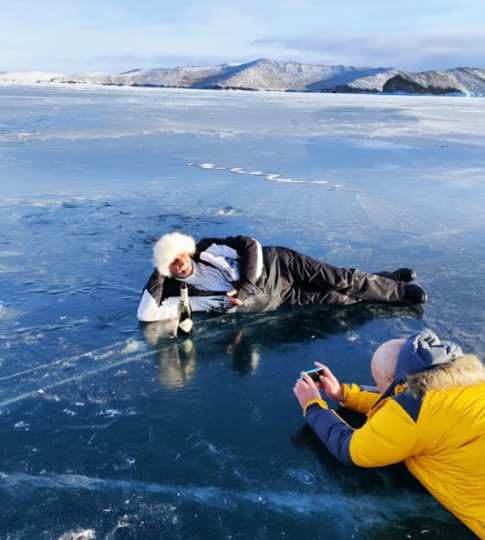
[226,212]
[111,413]
[99,356]
[380,145]
[10,253]
[8,314]
[133,346]
[272,177]
[289,181]
[86,534]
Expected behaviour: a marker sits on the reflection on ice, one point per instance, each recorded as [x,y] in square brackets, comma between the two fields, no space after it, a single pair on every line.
[242,338]
[176,364]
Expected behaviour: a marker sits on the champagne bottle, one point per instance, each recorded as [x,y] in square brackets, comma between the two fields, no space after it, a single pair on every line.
[186,323]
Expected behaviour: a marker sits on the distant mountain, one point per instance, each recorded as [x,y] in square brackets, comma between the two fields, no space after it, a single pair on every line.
[280,76]
[369,80]
[283,76]
[466,81]
[27,77]
[170,77]
[259,75]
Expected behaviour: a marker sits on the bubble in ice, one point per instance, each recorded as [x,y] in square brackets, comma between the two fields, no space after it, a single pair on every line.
[207,165]
[302,476]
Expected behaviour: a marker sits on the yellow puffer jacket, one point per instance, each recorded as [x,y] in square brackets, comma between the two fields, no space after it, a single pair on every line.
[440,438]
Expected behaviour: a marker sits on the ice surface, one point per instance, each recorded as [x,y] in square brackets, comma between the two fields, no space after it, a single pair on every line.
[112,430]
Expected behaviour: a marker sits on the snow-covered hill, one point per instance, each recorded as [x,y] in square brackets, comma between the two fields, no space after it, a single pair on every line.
[368,80]
[27,77]
[279,76]
[269,75]
[468,81]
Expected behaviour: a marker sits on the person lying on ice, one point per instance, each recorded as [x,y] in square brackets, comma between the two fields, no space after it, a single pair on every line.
[237,274]
[429,412]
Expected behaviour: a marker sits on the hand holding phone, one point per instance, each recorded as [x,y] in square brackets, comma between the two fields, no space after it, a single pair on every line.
[314,374]
[330,384]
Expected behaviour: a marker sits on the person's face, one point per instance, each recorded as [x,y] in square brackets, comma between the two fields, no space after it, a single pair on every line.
[182,266]
[382,380]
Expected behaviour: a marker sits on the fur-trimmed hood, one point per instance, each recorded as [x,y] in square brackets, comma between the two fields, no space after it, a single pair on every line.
[168,247]
[468,370]
[427,363]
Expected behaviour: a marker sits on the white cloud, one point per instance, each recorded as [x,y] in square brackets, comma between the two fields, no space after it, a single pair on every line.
[116,35]
[414,52]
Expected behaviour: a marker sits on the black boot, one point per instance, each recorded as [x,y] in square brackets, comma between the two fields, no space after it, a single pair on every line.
[405,275]
[415,294]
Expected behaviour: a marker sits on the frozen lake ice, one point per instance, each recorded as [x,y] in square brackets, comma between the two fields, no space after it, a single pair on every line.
[109,429]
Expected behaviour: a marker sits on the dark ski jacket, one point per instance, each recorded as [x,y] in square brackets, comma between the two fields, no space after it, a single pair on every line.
[253,270]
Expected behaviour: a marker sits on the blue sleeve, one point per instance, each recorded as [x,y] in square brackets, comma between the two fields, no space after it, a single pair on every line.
[332,431]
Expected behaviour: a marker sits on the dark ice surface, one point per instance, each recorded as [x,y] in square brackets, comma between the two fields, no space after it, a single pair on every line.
[112,430]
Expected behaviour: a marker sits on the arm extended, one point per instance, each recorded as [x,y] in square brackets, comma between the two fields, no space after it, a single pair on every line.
[249,253]
[161,296]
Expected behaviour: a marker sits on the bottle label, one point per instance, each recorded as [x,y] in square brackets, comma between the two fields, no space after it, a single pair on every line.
[186,325]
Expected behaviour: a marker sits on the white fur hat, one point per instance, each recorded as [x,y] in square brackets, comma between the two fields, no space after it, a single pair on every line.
[168,247]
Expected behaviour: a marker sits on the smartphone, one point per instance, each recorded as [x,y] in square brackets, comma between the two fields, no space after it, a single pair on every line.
[314,374]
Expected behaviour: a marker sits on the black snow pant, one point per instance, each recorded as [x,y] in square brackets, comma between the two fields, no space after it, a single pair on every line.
[306,281]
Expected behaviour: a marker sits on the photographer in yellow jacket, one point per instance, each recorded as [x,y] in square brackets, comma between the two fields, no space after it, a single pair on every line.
[428,411]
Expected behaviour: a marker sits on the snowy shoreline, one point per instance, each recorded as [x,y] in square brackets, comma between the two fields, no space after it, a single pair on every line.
[267,75]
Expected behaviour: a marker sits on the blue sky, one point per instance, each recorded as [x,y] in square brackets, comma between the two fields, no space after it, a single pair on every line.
[73,36]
